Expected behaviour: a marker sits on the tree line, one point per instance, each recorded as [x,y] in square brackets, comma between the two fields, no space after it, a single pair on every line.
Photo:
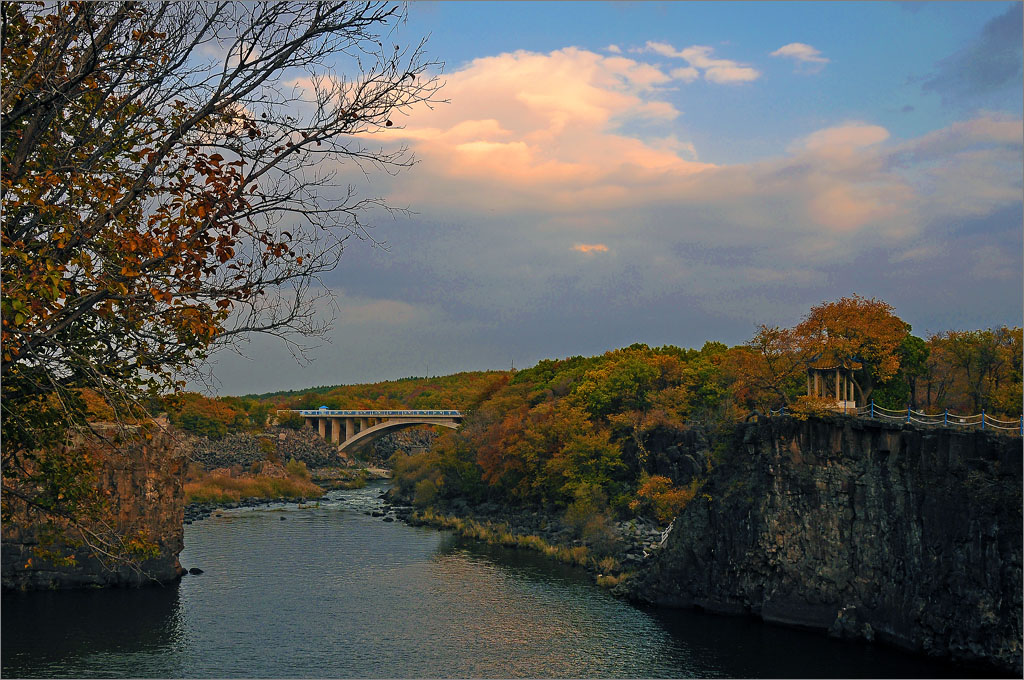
[577,435]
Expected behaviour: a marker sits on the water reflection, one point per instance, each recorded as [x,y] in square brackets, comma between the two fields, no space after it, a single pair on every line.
[50,633]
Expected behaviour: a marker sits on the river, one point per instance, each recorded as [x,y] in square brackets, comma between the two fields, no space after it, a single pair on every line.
[328,591]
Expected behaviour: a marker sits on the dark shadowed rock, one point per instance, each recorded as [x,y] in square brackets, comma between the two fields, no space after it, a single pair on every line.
[862,529]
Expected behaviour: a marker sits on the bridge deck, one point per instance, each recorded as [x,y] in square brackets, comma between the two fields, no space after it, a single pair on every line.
[319,413]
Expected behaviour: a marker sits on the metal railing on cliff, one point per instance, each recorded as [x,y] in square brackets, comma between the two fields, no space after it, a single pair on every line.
[945,419]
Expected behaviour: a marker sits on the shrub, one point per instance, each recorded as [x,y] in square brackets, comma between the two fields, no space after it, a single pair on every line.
[587,517]
[657,497]
[425,493]
[297,469]
[291,420]
[209,488]
[807,406]
[203,425]
[266,446]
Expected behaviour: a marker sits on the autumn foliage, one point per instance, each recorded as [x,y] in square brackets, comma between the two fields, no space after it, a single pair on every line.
[579,434]
[165,195]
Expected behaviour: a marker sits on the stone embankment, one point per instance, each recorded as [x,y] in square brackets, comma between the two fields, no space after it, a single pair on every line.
[865,530]
[245,449]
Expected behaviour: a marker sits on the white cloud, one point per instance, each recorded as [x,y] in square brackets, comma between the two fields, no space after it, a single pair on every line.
[614,49]
[551,129]
[841,140]
[687,74]
[553,135]
[552,154]
[724,71]
[808,58]
[355,310]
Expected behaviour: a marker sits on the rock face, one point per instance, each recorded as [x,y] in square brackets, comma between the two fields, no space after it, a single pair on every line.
[867,530]
[245,449]
[147,499]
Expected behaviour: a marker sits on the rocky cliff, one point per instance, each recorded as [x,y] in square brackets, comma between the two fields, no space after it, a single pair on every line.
[867,530]
[145,512]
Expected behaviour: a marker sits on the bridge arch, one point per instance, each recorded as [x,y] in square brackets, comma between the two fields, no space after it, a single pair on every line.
[366,436]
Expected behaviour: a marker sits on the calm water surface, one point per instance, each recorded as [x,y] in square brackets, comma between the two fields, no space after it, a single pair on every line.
[330,592]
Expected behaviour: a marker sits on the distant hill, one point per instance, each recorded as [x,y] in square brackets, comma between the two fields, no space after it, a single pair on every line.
[459,390]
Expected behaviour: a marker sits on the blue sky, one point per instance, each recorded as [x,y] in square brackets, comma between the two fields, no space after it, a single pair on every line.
[607,173]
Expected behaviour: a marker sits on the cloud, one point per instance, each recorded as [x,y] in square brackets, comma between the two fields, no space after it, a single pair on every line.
[548,131]
[614,49]
[809,59]
[987,130]
[357,310]
[723,71]
[687,74]
[841,140]
[990,63]
[565,140]
[543,157]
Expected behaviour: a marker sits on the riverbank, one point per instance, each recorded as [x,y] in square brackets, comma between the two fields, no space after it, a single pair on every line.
[324,479]
[612,556]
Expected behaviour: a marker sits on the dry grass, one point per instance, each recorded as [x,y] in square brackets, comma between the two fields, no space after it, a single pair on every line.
[498,534]
[221,489]
[611,580]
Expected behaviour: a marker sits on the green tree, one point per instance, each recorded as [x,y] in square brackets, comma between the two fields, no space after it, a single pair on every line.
[901,390]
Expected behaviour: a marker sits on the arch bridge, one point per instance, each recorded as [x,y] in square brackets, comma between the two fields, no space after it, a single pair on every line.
[351,429]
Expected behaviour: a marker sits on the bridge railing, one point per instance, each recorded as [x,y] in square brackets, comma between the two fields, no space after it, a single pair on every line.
[313,413]
[945,419]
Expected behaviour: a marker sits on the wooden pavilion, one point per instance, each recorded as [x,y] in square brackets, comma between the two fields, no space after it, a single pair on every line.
[829,377]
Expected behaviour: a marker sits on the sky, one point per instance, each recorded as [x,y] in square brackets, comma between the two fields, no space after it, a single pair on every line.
[673,173]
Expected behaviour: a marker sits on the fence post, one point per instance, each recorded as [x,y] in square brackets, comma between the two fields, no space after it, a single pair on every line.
[983,419]
[872,408]
[945,417]
[908,414]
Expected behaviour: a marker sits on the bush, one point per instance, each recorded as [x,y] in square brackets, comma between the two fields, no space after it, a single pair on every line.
[425,493]
[297,469]
[221,489]
[266,446]
[807,406]
[587,517]
[658,498]
[291,420]
[203,425]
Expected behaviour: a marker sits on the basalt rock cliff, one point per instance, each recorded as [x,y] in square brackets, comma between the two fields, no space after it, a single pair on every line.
[145,485]
[867,530]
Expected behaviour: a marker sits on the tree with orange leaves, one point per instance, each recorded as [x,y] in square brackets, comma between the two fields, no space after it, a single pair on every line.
[855,331]
[769,369]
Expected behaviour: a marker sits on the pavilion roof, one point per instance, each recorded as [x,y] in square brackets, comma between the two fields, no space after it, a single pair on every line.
[827,361]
